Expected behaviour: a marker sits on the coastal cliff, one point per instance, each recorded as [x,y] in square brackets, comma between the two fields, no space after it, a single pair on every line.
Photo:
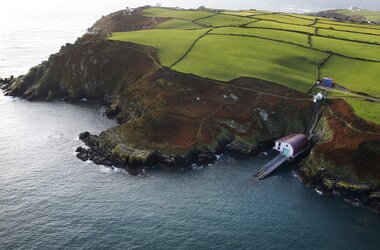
[174,120]
[166,118]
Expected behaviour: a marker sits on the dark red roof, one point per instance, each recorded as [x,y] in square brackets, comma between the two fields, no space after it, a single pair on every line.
[297,141]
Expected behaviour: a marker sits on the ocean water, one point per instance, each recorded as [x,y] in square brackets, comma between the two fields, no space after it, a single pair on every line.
[51,200]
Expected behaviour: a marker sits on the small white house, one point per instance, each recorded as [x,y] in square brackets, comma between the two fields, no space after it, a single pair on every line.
[291,145]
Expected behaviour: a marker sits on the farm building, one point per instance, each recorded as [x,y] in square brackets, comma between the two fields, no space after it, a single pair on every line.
[328,82]
[292,145]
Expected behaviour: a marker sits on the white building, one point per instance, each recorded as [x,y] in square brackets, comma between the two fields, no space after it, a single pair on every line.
[355,8]
[292,145]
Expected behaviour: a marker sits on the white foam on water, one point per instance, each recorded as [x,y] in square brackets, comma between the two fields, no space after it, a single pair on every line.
[318,191]
[105,169]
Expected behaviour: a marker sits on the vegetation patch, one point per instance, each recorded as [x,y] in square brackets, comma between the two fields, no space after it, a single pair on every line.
[285,64]
[171,44]
[224,20]
[367,110]
[353,28]
[350,36]
[282,26]
[285,19]
[347,48]
[245,13]
[182,14]
[279,35]
[178,24]
[355,75]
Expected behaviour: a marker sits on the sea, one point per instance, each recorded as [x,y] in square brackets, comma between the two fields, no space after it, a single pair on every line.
[51,200]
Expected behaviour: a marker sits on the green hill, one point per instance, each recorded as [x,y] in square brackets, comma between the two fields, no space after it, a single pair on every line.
[287,49]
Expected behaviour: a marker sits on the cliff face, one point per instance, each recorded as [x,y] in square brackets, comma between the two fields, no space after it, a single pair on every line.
[166,117]
[346,158]
[84,70]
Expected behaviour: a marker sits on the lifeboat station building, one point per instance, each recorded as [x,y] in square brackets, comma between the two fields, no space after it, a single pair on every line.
[292,145]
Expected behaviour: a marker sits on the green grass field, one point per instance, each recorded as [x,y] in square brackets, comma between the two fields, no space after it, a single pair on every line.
[178,24]
[242,13]
[224,20]
[347,48]
[171,44]
[361,29]
[231,52]
[284,19]
[285,64]
[357,76]
[182,14]
[349,24]
[367,110]
[282,26]
[349,35]
[291,37]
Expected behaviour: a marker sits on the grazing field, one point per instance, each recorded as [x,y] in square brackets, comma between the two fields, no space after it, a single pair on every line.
[224,20]
[279,35]
[346,48]
[282,26]
[355,25]
[285,64]
[284,19]
[182,14]
[178,24]
[349,35]
[366,30]
[242,13]
[367,110]
[171,44]
[355,75]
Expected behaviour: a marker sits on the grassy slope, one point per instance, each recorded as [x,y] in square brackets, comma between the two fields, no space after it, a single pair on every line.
[361,77]
[349,35]
[347,48]
[368,110]
[339,26]
[178,24]
[283,26]
[182,14]
[245,13]
[285,64]
[297,38]
[224,20]
[284,19]
[171,44]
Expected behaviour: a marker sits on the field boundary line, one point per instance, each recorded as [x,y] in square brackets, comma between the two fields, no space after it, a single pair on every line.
[296,44]
[205,17]
[352,26]
[191,47]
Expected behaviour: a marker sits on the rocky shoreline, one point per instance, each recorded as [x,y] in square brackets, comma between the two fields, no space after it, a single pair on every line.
[360,195]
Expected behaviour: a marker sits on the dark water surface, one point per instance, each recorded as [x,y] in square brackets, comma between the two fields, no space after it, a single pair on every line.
[50,199]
